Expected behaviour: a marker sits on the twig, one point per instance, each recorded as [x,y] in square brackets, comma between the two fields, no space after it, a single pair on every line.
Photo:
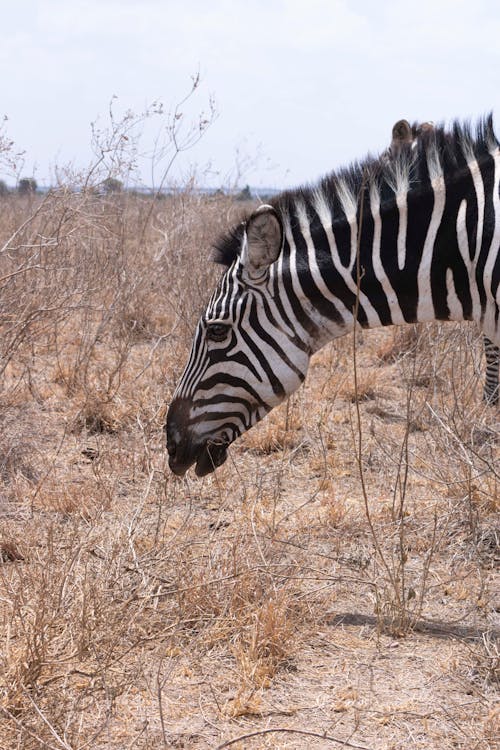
[303,732]
[6,245]
[23,728]
[47,722]
[359,447]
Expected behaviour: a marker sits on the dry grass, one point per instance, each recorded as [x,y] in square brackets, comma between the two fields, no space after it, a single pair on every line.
[139,610]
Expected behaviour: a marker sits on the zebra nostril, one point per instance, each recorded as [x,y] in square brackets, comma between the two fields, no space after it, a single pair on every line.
[171,449]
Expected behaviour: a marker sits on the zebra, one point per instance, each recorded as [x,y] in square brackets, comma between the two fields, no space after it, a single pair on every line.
[403,134]
[408,239]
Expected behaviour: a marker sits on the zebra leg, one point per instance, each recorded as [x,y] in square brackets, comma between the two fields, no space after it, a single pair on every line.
[491,385]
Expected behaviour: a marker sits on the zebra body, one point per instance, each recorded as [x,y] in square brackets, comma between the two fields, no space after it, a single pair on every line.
[404,134]
[408,239]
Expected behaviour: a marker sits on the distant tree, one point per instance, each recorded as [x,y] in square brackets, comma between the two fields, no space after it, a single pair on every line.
[111,185]
[245,194]
[4,188]
[27,185]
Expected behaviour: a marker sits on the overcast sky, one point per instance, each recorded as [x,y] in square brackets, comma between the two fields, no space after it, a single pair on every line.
[301,86]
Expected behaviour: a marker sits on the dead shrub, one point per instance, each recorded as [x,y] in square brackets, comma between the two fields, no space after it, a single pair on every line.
[404,340]
[281,430]
[9,551]
[484,667]
[265,641]
[491,725]
[97,417]
[368,386]
[333,510]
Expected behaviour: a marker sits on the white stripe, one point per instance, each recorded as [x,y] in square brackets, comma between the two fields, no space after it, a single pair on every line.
[392,298]
[454,305]
[349,204]
[479,188]
[425,308]
[402,229]
[489,326]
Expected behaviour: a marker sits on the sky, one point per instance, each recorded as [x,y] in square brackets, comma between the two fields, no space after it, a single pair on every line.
[297,87]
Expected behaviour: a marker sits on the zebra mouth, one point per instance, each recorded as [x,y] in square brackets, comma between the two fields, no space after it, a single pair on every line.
[212,455]
[208,456]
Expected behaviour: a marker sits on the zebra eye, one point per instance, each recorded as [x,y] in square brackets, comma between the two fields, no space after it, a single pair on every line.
[217,331]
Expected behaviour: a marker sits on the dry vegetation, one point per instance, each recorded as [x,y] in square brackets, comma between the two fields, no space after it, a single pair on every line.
[335,582]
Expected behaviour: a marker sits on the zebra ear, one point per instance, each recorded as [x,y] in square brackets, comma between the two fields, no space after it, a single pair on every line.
[264,237]
[425,127]
[401,133]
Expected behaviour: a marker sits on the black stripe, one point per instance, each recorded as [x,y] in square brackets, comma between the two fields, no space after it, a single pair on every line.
[233,381]
[447,254]
[495,277]
[404,281]
[342,231]
[208,416]
[486,168]
[369,283]
[471,219]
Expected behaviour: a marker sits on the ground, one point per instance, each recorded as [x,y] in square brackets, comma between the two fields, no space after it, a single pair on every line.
[335,583]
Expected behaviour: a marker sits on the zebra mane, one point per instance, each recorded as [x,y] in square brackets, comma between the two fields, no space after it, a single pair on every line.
[437,152]
[227,248]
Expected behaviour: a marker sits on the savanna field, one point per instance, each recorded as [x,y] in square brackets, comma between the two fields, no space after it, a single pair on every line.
[335,584]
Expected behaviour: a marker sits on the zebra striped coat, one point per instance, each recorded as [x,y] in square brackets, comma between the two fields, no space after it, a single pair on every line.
[405,239]
[404,134]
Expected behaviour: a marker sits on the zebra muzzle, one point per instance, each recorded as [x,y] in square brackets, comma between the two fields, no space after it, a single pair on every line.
[186,448]
[208,456]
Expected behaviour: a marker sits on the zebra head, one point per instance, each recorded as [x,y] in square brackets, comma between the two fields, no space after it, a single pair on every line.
[237,370]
